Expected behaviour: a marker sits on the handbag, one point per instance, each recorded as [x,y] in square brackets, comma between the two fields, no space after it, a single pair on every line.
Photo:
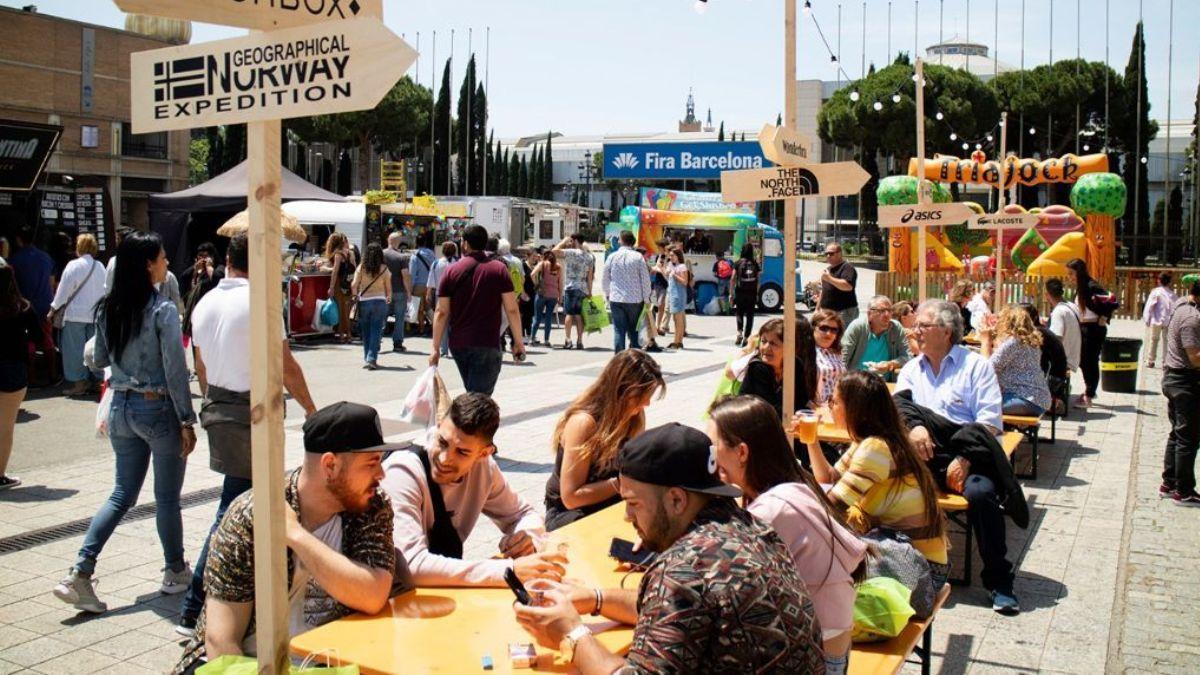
[881,610]
[357,298]
[57,318]
[892,555]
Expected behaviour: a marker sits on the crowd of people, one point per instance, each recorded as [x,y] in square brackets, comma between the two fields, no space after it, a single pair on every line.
[759,539]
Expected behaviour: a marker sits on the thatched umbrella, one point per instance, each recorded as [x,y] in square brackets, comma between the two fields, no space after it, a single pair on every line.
[287,223]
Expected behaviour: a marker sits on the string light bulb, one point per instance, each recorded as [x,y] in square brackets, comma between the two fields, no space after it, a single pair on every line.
[1145,160]
[953,136]
[1086,147]
[895,98]
[854,96]
[807,7]
[966,146]
[877,105]
[990,138]
[978,146]
[1032,131]
[940,116]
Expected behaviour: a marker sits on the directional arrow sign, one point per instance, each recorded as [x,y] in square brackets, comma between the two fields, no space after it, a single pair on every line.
[789,182]
[1004,221]
[785,147]
[927,215]
[256,14]
[331,67]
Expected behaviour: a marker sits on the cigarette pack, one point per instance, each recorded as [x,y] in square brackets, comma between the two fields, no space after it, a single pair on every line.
[522,654]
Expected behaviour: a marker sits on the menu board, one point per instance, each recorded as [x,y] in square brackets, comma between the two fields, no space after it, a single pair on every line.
[81,211]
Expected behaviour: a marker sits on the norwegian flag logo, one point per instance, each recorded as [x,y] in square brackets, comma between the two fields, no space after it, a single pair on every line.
[179,78]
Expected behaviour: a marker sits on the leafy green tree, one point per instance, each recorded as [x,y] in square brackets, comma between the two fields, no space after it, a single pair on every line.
[197,161]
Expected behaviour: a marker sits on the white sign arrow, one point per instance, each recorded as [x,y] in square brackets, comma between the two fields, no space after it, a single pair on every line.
[1004,221]
[785,147]
[332,67]
[834,179]
[258,14]
[925,215]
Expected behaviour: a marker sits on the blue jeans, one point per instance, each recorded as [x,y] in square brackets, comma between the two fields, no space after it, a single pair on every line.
[72,338]
[1011,404]
[543,312]
[193,602]
[372,316]
[479,368]
[141,430]
[625,319]
[399,309]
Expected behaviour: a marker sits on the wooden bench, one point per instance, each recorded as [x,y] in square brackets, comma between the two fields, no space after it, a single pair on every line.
[955,508]
[1029,427]
[879,658]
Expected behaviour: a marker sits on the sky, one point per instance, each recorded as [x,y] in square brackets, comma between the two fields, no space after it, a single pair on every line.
[621,66]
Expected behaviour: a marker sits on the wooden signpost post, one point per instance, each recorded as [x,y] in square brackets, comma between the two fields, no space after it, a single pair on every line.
[790,183]
[334,66]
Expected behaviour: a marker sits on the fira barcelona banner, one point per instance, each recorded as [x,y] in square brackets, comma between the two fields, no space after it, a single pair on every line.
[691,161]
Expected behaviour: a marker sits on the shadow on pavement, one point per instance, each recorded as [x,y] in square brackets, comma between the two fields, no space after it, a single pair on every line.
[25,494]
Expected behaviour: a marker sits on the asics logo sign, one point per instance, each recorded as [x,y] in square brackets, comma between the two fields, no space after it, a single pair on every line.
[912,215]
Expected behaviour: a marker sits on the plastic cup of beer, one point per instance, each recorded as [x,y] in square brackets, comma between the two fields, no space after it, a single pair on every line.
[806,425]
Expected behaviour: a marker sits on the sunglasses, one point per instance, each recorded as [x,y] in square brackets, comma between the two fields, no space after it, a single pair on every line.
[828,330]
[829,253]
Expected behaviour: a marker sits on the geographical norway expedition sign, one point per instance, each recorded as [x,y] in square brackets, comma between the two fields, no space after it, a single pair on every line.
[258,14]
[690,161]
[319,69]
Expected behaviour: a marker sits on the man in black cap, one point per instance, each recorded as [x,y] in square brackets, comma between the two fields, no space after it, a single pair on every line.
[722,594]
[338,531]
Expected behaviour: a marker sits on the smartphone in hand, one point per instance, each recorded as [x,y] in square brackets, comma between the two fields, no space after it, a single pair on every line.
[518,588]
[622,550]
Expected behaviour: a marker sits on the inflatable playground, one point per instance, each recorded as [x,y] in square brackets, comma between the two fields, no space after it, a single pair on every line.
[1085,229]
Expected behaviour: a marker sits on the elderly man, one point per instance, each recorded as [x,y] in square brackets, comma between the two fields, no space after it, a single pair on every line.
[876,342]
[722,594]
[837,284]
[950,399]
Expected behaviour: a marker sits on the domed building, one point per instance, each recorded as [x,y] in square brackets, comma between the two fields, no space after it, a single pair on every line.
[965,55]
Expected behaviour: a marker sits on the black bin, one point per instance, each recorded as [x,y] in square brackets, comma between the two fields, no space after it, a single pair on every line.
[1119,365]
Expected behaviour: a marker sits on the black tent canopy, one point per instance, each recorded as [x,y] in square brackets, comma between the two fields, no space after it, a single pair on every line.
[189,217]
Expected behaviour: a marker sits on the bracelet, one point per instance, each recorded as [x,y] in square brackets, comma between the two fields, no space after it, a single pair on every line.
[599,601]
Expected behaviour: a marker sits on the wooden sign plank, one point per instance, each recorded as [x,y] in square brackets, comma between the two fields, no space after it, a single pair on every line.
[296,72]
[834,179]
[1004,221]
[260,15]
[785,146]
[925,215]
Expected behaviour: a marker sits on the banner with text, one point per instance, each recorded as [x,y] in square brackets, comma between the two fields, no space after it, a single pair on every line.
[675,161]
[695,202]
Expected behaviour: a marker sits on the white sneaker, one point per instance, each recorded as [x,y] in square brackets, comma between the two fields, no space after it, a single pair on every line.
[176,582]
[80,591]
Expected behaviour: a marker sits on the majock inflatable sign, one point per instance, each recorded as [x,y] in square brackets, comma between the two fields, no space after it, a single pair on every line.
[298,72]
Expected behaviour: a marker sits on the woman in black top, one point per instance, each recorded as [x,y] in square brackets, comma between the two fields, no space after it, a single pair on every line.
[743,292]
[19,329]
[1093,328]
[764,375]
[340,263]
[592,431]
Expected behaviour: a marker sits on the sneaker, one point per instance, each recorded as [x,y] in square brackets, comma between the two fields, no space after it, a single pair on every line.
[1005,603]
[7,482]
[371,365]
[1165,491]
[579,344]
[1186,499]
[176,582]
[568,345]
[186,626]
[653,348]
[79,591]
[400,348]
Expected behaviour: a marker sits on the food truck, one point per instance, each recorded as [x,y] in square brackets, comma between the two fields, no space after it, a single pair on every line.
[722,233]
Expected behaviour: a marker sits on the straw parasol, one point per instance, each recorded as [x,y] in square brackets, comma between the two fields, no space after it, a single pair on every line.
[241,223]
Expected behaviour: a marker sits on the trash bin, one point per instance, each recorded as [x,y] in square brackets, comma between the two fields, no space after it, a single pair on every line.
[1119,365]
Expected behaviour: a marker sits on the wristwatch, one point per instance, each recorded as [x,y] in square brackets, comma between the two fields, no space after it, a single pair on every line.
[567,646]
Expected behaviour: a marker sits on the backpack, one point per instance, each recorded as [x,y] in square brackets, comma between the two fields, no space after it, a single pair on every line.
[724,269]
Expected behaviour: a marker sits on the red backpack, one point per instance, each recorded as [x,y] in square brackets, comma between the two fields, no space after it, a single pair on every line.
[724,269]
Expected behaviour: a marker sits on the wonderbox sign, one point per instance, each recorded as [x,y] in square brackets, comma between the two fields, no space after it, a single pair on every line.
[320,69]
[692,161]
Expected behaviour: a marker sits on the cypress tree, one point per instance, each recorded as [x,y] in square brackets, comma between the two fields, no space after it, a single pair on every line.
[721,133]
[441,124]
[1137,210]
[479,137]
[548,170]
[511,173]
[523,178]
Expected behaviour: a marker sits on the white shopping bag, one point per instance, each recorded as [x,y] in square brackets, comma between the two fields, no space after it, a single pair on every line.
[102,412]
[713,307]
[426,402]
[319,326]
[413,313]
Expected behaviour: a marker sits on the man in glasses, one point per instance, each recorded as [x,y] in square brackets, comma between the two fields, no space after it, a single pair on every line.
[876,342]
[950,400]
[837,284]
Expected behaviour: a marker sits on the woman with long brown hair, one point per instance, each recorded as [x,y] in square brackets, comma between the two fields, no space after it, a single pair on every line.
[880,481]
[339,264]
[590,434]
[754,454]
[764,374]
[547,276]
[372,287]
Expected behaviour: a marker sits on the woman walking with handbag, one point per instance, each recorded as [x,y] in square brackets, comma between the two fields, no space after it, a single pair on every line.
[71,312]
[151,421]
[340,264]
[372,287]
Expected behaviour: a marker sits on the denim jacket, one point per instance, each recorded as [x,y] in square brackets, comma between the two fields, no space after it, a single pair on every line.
[153,360]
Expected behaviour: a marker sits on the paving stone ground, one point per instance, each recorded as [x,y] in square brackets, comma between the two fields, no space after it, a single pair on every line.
[1106,571]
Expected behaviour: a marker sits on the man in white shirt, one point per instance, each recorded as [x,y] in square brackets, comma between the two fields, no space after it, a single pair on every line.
[439,493]
[626,284]
[1064,322]
[980,306]
[220,332]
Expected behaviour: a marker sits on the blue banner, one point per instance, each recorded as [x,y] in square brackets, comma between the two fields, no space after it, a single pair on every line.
[693,161]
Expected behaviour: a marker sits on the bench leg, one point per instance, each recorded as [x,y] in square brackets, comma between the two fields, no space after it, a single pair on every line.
[1031,434]
[926,649]
[1053,429]
[961,519]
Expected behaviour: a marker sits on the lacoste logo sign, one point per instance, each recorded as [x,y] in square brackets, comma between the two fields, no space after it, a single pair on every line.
[625,160]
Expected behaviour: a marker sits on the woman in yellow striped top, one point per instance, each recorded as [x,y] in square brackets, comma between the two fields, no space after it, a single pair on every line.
[880,481]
